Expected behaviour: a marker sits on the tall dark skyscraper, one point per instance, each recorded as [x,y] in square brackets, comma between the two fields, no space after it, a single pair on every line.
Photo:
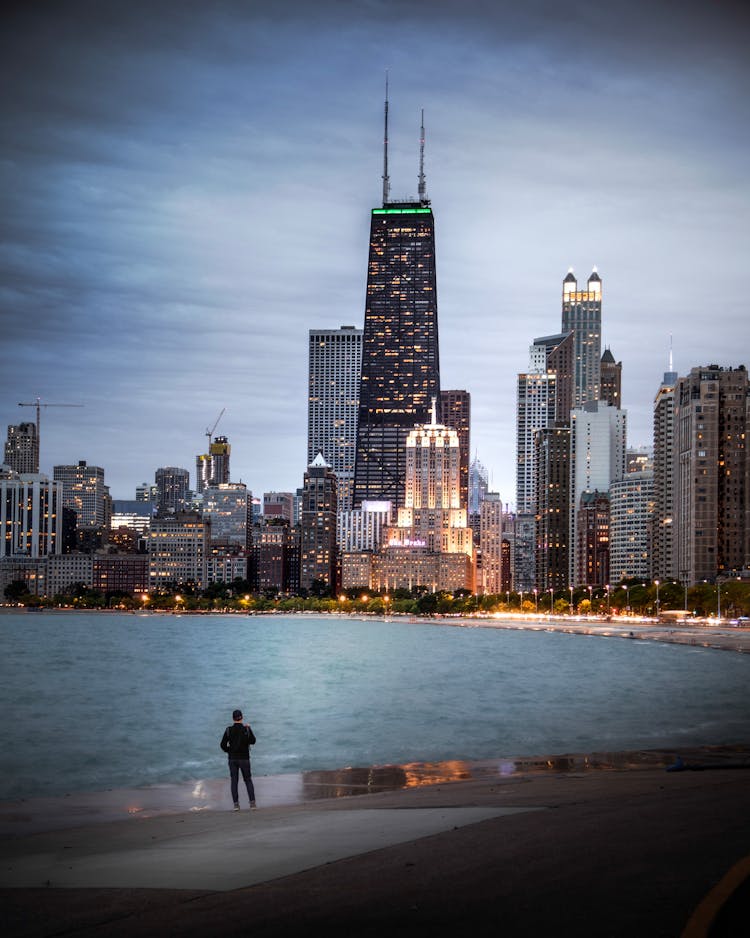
[456,408]
[400,361]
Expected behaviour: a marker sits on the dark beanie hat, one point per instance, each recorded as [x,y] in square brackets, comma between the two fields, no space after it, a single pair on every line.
[236,714]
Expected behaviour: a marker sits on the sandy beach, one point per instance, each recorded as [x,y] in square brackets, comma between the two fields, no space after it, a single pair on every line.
[690,632]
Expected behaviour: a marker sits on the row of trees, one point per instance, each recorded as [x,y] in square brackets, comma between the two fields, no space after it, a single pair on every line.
[730,599]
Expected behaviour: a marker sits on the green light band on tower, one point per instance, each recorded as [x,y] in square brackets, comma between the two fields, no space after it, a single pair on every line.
[401,211]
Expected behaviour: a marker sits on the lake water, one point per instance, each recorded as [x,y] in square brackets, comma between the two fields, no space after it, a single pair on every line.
[96,701]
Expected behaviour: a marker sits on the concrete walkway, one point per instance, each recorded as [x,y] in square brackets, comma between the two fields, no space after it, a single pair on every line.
[220,851]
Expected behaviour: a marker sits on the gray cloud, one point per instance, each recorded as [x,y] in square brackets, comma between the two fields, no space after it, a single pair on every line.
[186,192]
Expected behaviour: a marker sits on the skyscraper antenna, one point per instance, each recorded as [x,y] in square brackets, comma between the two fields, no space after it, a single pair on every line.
[670,352]
[386,180]
[422,183]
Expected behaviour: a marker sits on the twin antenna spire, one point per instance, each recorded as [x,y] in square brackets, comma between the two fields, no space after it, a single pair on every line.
[422,188]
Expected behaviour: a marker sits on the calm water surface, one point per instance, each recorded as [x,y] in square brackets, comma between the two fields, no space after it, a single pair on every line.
[95,701]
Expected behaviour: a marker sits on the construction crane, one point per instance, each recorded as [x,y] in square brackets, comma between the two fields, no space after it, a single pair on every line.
[210,433]
[38,404]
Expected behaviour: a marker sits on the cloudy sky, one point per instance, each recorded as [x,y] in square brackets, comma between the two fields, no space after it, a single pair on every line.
[186,190]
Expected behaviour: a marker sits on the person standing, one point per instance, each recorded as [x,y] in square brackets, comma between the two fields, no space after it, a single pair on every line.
[236,743]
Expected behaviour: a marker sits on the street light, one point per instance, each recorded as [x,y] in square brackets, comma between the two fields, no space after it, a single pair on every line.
[571,599]
[718,600]
[591,599]
[608,607]
[656,583]
[536,600]
[551,599]
[685,581]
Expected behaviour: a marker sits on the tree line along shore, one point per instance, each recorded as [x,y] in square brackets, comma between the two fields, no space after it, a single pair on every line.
[728,600]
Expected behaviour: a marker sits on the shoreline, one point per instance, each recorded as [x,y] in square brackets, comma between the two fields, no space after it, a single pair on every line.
[36,815]
[722,638]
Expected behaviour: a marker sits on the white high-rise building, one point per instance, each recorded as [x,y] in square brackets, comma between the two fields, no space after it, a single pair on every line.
[535,411]
[598,442]
[30,515]
[631,505]
[335,362]
[359,529]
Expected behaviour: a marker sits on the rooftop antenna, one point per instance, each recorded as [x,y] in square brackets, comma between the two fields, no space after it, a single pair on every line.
[386,180]
[422,183]
[670,352]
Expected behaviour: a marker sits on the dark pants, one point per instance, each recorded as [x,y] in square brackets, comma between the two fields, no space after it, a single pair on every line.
[235,767]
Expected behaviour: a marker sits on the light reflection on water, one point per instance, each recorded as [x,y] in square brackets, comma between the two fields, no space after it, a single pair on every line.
[114,701]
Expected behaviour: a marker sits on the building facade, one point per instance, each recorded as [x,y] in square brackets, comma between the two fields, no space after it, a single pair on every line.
[555,354]
[582,315]
[30,515]
[592,539]
[455,409]
[552,549]
[85,493]
[318,559]
[212,468]
[178,547]
[478,487]
[712,473]
[400,356]
[598,445]
[363,528]
[631,511]
[662,540]
[535,410]
[172,489]
[274,557]
[335,361]
[279,505]
[22,449]
[491,539]
[611,379]
[431,538]
[228,507]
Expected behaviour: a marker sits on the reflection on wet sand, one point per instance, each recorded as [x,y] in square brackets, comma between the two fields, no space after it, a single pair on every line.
[77,810]
[341,783]
[345,782]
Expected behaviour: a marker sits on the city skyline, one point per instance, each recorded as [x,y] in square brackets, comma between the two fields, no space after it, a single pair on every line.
[182,205]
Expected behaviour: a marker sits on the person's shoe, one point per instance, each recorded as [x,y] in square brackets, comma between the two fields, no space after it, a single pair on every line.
[253,806]
[236,807]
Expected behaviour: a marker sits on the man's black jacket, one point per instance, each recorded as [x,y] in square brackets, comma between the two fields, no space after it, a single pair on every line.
[237,740]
